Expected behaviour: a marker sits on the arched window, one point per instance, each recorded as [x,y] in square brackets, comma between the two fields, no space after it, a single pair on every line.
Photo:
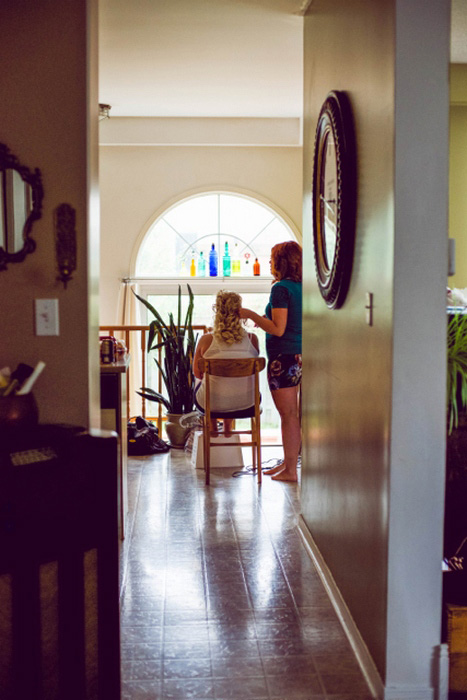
[188,229]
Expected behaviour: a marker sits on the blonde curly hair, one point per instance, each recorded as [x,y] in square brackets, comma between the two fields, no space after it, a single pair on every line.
[227,322]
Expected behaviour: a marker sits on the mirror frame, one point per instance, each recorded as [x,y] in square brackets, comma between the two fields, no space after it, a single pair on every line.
[34,179]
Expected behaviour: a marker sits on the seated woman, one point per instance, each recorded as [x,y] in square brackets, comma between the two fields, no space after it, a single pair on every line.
[228,340]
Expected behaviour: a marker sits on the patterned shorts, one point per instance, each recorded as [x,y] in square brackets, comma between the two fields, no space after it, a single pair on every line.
[284,371]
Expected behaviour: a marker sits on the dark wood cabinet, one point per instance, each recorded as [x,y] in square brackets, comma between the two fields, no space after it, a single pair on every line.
[59,582]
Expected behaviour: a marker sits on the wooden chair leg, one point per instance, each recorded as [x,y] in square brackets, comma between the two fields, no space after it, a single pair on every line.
[258,443]
[208,456]
[253,445]
[206,440]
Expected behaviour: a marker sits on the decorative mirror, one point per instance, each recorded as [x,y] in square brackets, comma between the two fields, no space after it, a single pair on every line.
[334,197]
[21,197]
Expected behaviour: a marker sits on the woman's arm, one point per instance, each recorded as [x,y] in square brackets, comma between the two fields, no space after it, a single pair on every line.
[274,326]
[203,343]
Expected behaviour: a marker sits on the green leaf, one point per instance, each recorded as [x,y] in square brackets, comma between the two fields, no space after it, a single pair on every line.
[456,390]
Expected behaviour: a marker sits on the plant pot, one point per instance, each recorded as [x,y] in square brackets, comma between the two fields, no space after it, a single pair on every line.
[176,433]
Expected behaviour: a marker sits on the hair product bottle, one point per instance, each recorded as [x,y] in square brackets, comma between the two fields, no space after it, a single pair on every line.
[213,261]
[226,269]
[256,268]
[193,265]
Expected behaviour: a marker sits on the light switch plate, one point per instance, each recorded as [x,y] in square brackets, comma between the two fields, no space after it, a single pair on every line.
[46,313]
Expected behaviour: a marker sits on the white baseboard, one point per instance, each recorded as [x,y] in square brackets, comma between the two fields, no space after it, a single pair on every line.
[359,647]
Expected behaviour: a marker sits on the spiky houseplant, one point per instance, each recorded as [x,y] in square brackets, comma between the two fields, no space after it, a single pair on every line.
[455,517]
[456,369]
[178,342]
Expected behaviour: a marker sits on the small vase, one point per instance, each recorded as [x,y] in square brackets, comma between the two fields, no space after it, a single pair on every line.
[18,412]
[176,433]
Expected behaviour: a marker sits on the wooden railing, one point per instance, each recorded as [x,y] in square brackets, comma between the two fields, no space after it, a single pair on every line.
[138,348]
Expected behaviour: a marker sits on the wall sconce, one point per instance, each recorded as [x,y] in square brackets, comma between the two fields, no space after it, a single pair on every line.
[104,111]
[65,241]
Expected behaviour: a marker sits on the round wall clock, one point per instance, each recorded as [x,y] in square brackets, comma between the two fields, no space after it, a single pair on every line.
[334,197]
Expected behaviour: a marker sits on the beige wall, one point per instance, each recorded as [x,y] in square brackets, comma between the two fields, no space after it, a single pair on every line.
[373,471]
[458,173]
[137,182]
[47,58]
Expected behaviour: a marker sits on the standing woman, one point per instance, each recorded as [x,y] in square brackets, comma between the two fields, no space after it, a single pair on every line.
[283,326]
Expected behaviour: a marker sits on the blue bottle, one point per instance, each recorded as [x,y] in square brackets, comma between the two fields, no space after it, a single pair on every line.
[201,265]
[226,267]
[213,261]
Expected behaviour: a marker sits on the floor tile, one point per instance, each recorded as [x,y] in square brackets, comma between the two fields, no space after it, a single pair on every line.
[184,689]
[145,670]
[197,667]
[289,665]
[244,688]
[186,649]
[343,683]
[140,650]
[137,690]
[294,686]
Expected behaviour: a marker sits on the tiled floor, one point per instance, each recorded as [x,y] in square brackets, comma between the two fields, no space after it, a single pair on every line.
[219,598]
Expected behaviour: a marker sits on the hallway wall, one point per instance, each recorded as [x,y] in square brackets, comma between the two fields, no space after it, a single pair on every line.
[373,473]
[48,119]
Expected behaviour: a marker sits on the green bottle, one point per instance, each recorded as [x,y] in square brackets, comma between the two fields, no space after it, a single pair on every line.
[201,265]
[226,269]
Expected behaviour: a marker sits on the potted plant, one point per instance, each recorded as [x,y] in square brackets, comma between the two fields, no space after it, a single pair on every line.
[177,341]
[455,510]
[456,444]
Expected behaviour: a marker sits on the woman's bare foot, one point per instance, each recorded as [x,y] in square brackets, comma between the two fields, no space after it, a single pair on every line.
[286,475]
[275,470]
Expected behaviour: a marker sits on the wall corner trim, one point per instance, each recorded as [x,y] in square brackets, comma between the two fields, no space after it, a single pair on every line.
[357,643]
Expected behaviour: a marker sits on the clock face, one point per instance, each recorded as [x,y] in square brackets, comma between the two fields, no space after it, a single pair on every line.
[334,199]
[328,199]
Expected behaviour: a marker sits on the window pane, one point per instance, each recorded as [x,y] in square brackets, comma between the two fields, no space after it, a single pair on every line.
[242,217]
[155,260]
[195,217]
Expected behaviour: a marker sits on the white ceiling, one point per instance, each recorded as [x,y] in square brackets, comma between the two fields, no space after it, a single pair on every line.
[203,58]
[211,58]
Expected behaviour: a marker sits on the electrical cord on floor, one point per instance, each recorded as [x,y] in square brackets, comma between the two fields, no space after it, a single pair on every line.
[268,464]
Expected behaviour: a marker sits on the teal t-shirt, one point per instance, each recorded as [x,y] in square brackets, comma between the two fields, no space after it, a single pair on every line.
[286,294]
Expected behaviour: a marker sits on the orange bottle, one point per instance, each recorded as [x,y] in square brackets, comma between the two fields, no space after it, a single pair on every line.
[256,268]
